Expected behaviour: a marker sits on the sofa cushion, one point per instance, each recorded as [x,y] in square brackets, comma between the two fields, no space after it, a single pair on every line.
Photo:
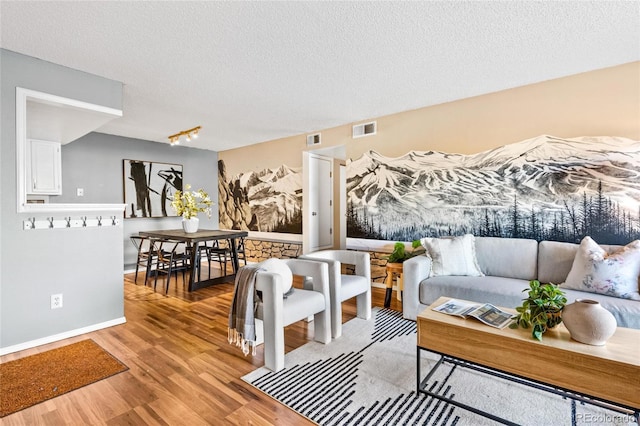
[353,285]
[616,274]
[499,291]
[508,257]
[452,256]
[508,292]
[555,260]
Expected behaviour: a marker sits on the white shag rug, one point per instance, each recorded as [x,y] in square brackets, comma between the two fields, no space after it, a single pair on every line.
[368,377]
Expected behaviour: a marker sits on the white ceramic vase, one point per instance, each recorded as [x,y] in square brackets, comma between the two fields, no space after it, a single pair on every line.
[190,225]
[588,322]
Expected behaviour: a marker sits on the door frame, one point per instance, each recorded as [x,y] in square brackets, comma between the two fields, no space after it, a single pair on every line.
[306,210]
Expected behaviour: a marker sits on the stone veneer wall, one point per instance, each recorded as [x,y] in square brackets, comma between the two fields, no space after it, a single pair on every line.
[259,250]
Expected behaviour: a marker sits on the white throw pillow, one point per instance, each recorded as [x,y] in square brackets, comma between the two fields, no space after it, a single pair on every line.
[596,271]
[278,266]
[452,256]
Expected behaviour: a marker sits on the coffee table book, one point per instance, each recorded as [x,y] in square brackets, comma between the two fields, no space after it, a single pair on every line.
[486,313]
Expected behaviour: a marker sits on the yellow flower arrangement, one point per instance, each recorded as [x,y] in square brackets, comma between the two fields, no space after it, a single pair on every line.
[189,203]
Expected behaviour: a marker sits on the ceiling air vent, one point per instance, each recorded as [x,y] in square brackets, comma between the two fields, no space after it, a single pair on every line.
[364,129]
[313,139]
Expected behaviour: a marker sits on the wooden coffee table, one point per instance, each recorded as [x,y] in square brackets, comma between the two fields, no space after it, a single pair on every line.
[608,374]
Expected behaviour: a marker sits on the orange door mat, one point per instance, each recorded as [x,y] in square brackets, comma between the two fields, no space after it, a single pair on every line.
[37,378]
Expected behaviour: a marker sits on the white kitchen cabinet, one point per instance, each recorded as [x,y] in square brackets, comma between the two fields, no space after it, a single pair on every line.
[44,171]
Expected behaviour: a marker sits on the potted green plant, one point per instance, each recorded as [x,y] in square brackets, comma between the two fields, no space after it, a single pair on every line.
[542,310]
[400,254]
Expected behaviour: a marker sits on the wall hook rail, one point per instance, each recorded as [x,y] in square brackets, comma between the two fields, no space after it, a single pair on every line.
[68,222]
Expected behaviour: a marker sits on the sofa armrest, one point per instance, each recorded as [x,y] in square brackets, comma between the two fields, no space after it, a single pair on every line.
[414,270]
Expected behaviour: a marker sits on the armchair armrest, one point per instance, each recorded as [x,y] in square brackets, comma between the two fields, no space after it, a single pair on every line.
[271,286]
[270,312]
[317,271]
[414,270]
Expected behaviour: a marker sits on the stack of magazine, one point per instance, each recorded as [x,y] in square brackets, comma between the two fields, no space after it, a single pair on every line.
[486,313]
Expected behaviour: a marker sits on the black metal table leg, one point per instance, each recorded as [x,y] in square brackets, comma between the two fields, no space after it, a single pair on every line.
[422,384]
[387,298]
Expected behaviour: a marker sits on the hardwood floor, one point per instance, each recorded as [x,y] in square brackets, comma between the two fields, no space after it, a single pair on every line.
[182,370]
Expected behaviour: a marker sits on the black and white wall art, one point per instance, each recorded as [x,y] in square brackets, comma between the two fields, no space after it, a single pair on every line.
[546,188]
[149,188]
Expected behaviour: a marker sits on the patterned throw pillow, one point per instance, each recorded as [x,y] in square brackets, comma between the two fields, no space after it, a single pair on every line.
[596,271]
[452,256]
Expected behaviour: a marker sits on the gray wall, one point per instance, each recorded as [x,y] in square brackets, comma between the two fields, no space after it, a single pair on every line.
[94,163]
[83,264]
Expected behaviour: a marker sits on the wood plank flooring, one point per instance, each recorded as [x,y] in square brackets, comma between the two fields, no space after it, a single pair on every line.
[182,370]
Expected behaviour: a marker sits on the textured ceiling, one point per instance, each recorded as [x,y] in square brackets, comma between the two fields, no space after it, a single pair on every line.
[249,72]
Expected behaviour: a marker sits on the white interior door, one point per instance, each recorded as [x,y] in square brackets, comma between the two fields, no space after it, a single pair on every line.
[319,206]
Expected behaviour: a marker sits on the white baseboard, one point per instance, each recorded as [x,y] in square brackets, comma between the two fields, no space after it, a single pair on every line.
[61,336]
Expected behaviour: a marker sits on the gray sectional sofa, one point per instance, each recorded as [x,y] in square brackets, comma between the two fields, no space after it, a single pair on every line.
[508,264]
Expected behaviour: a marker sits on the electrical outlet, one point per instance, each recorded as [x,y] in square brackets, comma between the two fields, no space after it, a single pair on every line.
[56,301]
[80,192]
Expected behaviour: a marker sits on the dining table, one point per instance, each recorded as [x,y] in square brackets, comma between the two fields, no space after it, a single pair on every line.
[192,240]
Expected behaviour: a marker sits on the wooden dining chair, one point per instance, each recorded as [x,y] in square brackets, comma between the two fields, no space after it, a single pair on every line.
[145,254]
[170,257]
[213,253]
[242,255]
[240,250]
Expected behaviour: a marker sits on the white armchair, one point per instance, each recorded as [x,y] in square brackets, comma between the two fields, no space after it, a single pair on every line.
[276,312]
[343,287]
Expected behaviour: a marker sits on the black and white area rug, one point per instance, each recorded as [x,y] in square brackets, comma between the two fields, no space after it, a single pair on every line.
[368,377]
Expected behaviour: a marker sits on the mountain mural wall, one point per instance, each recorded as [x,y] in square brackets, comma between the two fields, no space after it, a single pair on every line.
[546,188]
[269,200]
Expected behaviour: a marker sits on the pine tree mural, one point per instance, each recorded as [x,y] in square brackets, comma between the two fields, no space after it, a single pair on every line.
[546,189]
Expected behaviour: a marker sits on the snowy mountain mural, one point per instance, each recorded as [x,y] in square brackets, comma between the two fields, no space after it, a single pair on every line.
[542,188]
[268,200]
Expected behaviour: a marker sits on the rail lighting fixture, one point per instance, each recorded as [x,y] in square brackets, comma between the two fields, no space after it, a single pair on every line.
[188,134]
